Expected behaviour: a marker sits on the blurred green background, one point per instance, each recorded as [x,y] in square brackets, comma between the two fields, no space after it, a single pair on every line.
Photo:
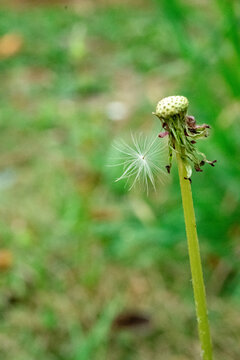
[88,269]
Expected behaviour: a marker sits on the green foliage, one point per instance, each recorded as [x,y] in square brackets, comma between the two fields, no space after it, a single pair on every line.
[83,244]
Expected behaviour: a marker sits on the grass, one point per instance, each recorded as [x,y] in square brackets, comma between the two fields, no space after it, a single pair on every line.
[84,248]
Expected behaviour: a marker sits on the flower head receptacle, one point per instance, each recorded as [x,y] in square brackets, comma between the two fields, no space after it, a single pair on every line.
[182,131]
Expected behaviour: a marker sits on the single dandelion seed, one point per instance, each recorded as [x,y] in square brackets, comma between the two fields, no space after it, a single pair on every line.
[141,161]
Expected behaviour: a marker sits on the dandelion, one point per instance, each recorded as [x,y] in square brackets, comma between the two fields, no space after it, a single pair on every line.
[141,161]
[183,132]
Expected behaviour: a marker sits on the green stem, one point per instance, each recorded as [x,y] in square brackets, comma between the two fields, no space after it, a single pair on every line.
[195,262]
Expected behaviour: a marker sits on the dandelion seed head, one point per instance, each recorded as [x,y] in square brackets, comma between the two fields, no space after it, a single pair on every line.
[141,161]
[171,105]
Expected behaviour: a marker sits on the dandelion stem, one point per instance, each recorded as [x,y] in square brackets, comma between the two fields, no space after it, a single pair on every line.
[195,262]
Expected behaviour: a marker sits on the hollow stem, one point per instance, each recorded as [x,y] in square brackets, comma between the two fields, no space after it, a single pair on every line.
[195,262]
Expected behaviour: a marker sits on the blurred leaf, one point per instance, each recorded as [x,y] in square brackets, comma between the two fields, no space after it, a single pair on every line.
[6,259]
[10,45]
